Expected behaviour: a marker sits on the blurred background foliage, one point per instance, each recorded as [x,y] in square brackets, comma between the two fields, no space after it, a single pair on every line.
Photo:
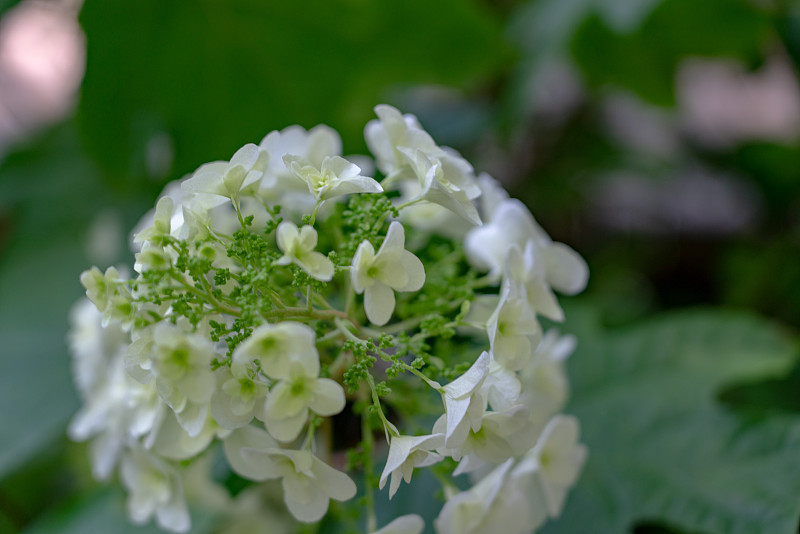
[660,138]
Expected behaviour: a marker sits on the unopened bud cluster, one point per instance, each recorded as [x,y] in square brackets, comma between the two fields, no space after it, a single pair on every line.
[288,292]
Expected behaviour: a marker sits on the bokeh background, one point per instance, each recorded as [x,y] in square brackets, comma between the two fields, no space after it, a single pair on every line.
[660,138]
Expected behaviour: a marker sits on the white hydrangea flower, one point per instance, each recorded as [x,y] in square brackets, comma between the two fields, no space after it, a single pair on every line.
[393,268]
[390,131]
[298,246]
[117,412]
[463,404]
[313,145]
[501,435]
[528,269]
[181,364]
[492,195]
[154,488]
[405,524]
[334,177]
[237,398]
[279,185]
[406,453]
[170,439]
[558,458]
[501,388]
[93,346]
[487,247]
[162,222]
[436,185]
[513,329]
[308,483]
[500,502]
[227,179]
[101,287]
[289,401]
[544,379]
[276,346]
[429,217]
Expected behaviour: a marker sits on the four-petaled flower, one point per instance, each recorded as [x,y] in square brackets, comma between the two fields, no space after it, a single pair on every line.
[334,177]
[393,268]
[298,246]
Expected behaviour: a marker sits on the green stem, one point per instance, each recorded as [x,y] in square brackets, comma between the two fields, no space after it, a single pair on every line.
[367,444]
[314,213]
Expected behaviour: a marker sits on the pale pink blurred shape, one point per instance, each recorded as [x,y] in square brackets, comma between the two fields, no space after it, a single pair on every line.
[722,104]
[42,58]
[639,127]
[693,202]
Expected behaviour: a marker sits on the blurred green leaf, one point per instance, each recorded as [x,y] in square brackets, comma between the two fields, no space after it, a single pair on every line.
[5,5]
[49,193]
[662,450]
[214,75]
[645,61]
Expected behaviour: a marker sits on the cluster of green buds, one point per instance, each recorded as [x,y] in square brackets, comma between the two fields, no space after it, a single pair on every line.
[283,295]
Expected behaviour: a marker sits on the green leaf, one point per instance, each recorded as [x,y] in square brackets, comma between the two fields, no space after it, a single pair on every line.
[662,449]
[645,61]
[214,75]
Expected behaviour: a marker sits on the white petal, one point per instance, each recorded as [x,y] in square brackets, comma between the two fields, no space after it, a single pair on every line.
[287,428]
[567,271]
[317,266]
[254,467]
[414,270]
[405,524]
[328,398]
[287,235]
[379,303]
[471,380]
[335,484]
[395,238]
[304,510]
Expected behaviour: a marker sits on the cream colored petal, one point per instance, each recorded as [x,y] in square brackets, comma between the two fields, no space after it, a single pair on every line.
[379,303]
[328,398]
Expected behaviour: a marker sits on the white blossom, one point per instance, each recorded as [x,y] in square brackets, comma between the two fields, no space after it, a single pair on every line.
[545,386]
[501,435]
[289,401]
[308,483]
[437,186]
[406,453]
[237,398]
[378,275]
[227,179]
[170,439]
[487,247]
[558,458]
[162,222]
[334,177]
[463,404]
[500,502]
[181,365]
[513,329]
[298,246]
[101,287]
[154,488]
[276,346]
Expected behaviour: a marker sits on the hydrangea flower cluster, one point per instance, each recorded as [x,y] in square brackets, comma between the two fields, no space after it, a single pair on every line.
[284,294]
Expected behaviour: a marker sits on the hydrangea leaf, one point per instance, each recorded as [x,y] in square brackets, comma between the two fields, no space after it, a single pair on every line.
[662,448]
